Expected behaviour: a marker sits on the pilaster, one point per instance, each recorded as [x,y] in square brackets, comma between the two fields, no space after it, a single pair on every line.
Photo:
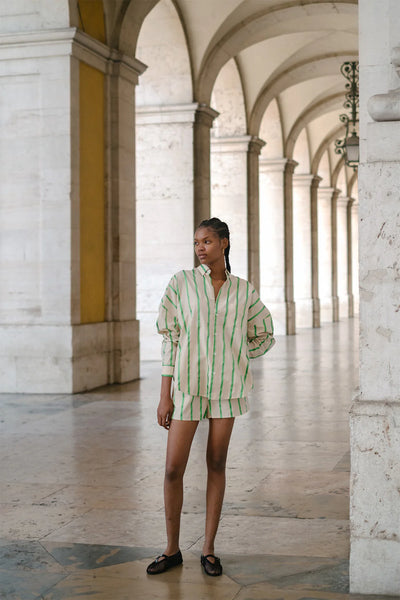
[288,219]
[314,252]
[335,297]
[253,210]
[204,118]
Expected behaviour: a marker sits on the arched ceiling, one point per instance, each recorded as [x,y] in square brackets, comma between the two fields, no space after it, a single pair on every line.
[287,51]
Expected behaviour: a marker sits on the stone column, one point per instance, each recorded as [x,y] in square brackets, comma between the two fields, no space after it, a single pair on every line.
[325,253]
[229,193]
[335,297]
[354,255]
[59,334]
[253,210]
[375,417]
[272,240]
[342,256]
[349,220]
[165,222]
[123,78]
[302,250]
[201,161]
[288,218]
[316,321]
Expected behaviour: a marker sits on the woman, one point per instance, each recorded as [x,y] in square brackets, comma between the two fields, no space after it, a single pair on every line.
[212,323]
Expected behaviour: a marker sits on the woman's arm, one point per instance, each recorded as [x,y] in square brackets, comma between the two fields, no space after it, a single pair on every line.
[166,405]
[260,329]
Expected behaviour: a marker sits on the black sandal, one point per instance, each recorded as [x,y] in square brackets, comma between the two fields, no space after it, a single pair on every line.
[214,569]
[160,566]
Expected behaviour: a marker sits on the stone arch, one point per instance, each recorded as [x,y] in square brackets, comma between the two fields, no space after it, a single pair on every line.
[168,78]
[337,171]
[301,152]
[326,142]
[271,131]
[324,168]
[229,145]
[91,18]
[312,112]
[241,30]
[302,71]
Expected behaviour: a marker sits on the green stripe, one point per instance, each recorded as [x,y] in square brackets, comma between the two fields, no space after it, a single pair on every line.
[223,347]
[215,331]
[233,332]
[255,331]
[240,407]
[230,407]
[168,298]
[201,407]
[208,329]
[254,303]
[182,403]
[188,336]
[173,289]
[191,409]
[241,325]
[244,379]
[179,365]
[256,315]
[198,333]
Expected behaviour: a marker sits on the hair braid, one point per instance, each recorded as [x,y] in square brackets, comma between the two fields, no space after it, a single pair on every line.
[222,230]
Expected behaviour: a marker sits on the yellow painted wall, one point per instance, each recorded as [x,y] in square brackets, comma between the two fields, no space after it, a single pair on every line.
[92,18]
[92,196]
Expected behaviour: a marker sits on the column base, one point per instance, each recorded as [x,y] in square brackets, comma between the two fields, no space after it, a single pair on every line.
[374,497]
[304,312]
[316,308]
[335,309]
[290,317]
[65,359]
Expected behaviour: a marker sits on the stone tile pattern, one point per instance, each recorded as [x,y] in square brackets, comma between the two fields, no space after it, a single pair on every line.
[81,487]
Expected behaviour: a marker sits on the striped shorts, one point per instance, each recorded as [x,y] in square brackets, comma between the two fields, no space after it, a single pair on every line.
[198,408]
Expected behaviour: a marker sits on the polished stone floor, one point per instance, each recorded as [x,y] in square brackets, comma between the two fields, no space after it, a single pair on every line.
[81,487]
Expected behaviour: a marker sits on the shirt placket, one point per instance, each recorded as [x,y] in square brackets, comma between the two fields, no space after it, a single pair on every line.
[215,305]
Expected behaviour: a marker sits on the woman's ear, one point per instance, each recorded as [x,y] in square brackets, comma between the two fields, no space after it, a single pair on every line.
[225,243]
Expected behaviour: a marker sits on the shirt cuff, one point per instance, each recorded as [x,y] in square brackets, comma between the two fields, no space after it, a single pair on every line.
[167,371]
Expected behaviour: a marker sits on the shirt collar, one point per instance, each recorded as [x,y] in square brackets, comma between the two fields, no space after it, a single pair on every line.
[203,269]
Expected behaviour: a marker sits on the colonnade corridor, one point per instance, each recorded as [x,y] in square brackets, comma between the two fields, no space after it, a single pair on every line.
[81,480]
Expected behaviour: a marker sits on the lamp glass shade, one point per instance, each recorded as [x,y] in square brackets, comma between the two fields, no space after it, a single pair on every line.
[353,148]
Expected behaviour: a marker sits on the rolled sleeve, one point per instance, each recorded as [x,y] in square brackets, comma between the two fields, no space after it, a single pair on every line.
[260,329]
[168,327]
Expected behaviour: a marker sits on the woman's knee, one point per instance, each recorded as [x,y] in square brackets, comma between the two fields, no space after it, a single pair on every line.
[216,463]
[174,472]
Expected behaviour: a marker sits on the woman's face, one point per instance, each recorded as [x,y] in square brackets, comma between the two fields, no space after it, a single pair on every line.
[209,247]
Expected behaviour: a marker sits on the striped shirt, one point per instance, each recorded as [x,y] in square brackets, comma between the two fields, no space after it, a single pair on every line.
[207,342]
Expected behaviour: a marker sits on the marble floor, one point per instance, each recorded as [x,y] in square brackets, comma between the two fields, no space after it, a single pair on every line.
[81,487]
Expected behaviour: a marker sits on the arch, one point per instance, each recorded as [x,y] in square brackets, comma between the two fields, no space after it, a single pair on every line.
[336,172]
[228,100]
[301,152]
[240,31]
[313,111]
[129,23]
[351,182]
[326,142]
[168,78]
[324,168]
[303,71]
[271,131]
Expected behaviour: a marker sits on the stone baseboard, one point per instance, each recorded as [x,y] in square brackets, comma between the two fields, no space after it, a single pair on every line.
[65,359]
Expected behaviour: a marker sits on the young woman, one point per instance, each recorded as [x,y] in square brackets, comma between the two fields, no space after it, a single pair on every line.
[212,323]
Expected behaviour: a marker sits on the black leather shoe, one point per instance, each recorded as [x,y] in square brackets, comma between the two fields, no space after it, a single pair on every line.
[164,562]
[214,569]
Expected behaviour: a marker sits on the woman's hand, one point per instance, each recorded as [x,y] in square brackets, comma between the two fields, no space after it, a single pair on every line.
[164,411]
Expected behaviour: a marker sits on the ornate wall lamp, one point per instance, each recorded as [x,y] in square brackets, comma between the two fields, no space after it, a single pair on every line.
[349,146]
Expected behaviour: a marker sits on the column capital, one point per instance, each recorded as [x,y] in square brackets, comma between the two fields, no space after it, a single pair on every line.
[173,113]
[230,144]
[255,145]
[302,179]
[272,165]
[290,166]
[205,115]
[316,180]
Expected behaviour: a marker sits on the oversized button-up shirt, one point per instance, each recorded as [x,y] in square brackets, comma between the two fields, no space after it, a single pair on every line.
[207,342]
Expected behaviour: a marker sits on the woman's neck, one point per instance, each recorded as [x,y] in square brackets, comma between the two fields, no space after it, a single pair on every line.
[217,271]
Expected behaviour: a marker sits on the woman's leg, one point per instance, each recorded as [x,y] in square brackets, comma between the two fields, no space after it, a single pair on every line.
[217,449]
[180,437]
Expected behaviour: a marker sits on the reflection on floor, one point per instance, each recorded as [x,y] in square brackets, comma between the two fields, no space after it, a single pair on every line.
[81,487]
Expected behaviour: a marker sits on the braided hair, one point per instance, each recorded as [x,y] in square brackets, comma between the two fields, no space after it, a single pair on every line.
[222,230]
